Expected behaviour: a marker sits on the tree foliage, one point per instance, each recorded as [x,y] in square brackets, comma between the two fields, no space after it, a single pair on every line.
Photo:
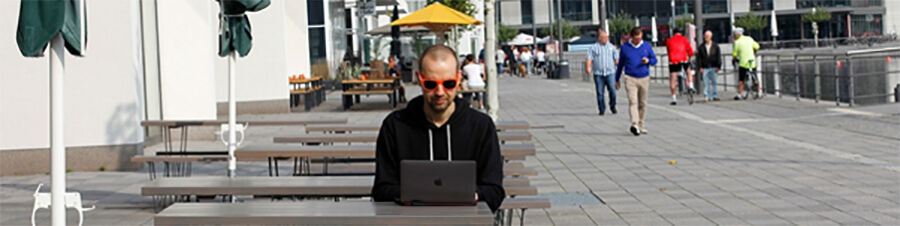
[683,20]
[620,24]
[818,15]
[752,22]
[506,33]
[568,30]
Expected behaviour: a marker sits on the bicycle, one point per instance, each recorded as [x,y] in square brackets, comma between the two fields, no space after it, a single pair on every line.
[683,87]
[754,90]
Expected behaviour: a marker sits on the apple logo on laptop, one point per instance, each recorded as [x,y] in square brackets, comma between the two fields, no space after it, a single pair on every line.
[438,182]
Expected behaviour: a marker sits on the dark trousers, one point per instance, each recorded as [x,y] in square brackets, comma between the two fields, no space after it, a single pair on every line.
[609,83]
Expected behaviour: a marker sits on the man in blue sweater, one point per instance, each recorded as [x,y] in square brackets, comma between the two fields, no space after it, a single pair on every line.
[635,58]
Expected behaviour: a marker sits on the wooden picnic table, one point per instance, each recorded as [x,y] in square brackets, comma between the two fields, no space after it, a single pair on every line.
[322,213]
[311,89]
[319,186]
[183,168]
[304,154]
[352,89]
[180,123]
[501,126]
[326,186]
[261,151]
[372,137]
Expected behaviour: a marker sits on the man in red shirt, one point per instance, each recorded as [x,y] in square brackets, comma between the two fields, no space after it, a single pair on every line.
[680,52]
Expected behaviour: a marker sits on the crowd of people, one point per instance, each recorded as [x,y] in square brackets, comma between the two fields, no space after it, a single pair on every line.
[607,65]
[522,61]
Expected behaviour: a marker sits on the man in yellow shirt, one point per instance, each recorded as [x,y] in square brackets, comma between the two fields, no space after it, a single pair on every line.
[745,53]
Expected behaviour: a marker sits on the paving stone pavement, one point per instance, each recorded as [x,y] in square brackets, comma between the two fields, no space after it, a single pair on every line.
[768,161]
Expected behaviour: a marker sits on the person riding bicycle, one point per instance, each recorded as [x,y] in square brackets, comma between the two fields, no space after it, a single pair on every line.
[680,53]
[745,54]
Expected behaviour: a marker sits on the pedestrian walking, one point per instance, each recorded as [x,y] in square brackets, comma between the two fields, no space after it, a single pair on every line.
[635,59]
[601,62]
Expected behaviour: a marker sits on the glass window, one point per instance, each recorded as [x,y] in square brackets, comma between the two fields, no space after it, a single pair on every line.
[715,6]
[863,25]
[802,4]
[761,5]
[527,11]
[317,44]
[577,10]
[315,11]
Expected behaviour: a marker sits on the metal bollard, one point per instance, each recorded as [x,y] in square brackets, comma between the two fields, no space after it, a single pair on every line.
[837,82]
[897,93]
[777,76]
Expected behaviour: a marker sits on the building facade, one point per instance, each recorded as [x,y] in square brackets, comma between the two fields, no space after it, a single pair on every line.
[849,17]
[144,60]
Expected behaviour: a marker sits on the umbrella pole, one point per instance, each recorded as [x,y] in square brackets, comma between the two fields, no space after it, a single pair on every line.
[57,133]
[232,116]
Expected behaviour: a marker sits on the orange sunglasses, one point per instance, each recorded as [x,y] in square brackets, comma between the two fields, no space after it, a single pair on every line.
[431,84]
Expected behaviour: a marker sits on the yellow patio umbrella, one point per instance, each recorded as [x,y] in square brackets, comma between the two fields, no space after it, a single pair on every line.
[436,17]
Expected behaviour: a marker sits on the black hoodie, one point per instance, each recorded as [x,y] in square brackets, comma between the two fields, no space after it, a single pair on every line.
[405,135]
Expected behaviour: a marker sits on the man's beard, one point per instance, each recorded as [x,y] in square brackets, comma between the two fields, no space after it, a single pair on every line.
[439,108]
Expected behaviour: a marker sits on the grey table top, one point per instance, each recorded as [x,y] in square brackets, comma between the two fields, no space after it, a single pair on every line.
[322,186]
[372,137]
[256,151]
[322,213]
[250,122]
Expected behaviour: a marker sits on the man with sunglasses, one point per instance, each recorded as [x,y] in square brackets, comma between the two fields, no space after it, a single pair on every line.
[439,126]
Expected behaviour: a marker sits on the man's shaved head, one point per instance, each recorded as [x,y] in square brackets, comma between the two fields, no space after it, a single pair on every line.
[437,53]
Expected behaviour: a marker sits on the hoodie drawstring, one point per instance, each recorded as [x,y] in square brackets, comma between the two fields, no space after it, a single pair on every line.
[449,154]
[431,145]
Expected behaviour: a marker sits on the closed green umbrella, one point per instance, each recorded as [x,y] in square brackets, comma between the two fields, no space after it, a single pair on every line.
[235,38]
[54,23]
[235,27]
[40,20]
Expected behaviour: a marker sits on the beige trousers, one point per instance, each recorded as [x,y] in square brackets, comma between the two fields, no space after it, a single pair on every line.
[637,98]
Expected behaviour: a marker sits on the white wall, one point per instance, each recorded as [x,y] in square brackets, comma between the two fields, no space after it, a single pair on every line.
[510,13]
[891,17]
[785,4]
[542,11]
[740,6]
[296,38]
[187,50]
[101,89]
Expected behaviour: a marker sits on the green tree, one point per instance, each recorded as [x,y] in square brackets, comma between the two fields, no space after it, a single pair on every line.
[752,22]
[620,24]
[568,31]
[506,33]
[683,20]
[815,16]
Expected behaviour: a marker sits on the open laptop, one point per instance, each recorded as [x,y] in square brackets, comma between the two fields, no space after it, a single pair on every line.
[437,183]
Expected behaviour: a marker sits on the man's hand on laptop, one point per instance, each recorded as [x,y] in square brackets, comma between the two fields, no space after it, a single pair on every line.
[476,196]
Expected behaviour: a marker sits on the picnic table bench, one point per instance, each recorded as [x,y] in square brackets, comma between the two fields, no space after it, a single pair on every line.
[182,167]
[311,89]
[305,155]
[341,128]
[322,213]
[372,137]
[352,89]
